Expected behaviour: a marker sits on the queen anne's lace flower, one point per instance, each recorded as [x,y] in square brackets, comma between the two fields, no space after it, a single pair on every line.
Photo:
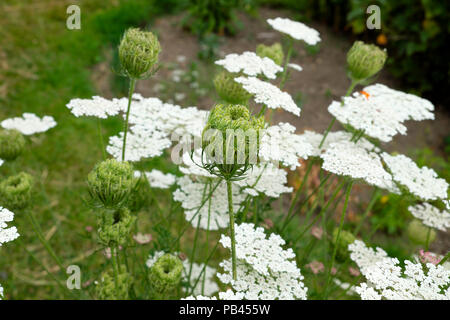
[265,178]
[250,64]
[280,144]
[158,179]
[431,216]
[97,107]
[314,139]
[381,111]
[421,182]
[1,292]
[386,279]
[7,234]
[268,94]
[296,30]
[1,162]
[29,124]
[214,212]
[265,270]
[346,158]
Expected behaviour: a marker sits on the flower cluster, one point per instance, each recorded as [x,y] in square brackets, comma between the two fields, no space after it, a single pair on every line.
[158,179]
[250,64]
[29,124]
[97,107]
[296,30]
[7,234]
[431,216]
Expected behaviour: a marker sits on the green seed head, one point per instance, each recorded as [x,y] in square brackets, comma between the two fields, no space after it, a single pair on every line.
[114,227]
[138,52]
[15,191]
[12,144]
[229,90]
[274,52]
[108,289]
[365,60]
[345,238]
[418,233]
[165,274]
[110,182]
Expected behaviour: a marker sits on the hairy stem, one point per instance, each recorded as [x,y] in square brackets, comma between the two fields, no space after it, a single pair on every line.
[130,94]
[232,235]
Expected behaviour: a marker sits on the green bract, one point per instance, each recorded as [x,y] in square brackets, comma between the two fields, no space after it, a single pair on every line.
[110,182]
[138,52]
[274,52]
[365,60]
[114,227]
[110,289]
[418,233]
[165,274]
[15,191]
[229,90]
[345,238]
[12,144]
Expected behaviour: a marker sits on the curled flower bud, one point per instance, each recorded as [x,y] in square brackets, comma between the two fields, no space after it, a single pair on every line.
[109,289]
[231,140]
[165,274]
[345,238]
[274,52]
[138,52]
[15,191]
[418,233]
[229,90]
[110,182]
[365,60]
[12,144]
[114,227]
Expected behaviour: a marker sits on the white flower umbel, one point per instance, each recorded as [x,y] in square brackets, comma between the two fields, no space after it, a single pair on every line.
[250,64]
[1,162]
[348,159]
[1,292]
[97,107]
[139,145]
[214,211]
[264,269]
[7,234]
[296,30]
[295,66]
[280,144]
[431,216]
[423,183]
[382,111]
[364,256]
[29,124]
[314,139]
[268,94]
[158,179]
[266,179]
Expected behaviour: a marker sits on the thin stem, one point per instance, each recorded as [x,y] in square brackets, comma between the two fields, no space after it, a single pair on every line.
[130,94]
[341,224]
[115,268]
[373,199]
[288,58]
[100,137]
[427,244]
[232,235]
[297,193]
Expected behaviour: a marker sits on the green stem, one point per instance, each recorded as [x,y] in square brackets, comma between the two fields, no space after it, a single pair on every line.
[427,244]
[373,199]
[130,94]
[288,58]
[115,268]
[100,137]
[341,224]
[232,235]
[297,193]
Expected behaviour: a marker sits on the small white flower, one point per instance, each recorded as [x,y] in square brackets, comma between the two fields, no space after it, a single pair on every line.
[268,94]
[250,64]
[7,234]
[295,66]
[97,106]
[29,124]
[431,216]
[296,30]
[158,179]
[421,182]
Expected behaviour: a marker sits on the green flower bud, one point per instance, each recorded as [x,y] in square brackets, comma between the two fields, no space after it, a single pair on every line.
[110,182]
[229,90]
[418,233]
[365,60]
[12,144]
[231,140]
[108,289]
[274,52]
[165,274]
[15,191]
[345,238]
[114,227]
[138,52]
